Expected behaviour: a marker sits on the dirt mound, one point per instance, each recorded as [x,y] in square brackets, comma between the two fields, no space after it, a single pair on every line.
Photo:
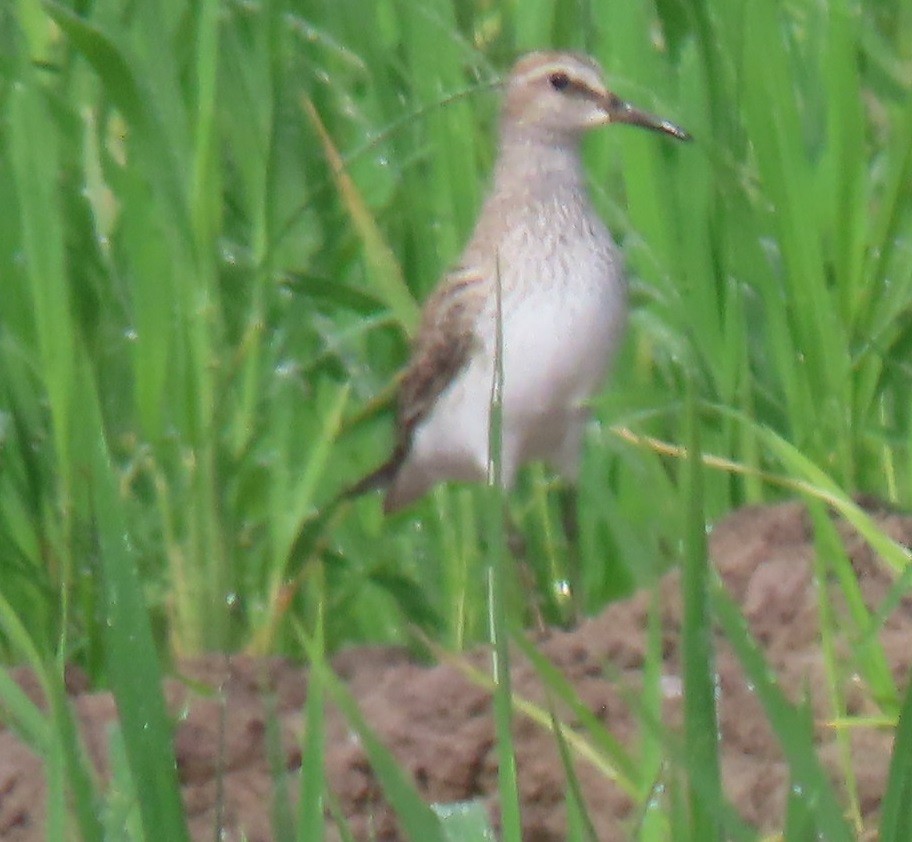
[439,725]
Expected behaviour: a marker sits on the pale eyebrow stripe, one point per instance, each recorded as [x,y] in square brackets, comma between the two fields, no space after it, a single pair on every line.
[578,84]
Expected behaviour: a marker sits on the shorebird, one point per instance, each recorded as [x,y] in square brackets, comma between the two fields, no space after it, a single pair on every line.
[561,287]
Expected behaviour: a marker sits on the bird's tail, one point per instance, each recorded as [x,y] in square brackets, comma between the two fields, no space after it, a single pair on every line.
[316,525]
[377,479]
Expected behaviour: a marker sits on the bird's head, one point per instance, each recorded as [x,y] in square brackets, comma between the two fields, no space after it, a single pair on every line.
[562,93]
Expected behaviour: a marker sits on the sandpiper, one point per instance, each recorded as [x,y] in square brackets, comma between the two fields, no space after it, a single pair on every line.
[562,292]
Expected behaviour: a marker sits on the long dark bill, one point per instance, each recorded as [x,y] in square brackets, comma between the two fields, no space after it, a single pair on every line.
[623,112]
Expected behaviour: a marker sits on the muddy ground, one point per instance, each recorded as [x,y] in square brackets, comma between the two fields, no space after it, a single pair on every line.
[439,725]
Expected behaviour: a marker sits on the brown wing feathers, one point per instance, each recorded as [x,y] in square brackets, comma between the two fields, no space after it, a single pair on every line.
[442,348]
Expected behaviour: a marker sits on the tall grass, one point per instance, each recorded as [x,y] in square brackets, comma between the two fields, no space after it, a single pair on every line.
[219,221]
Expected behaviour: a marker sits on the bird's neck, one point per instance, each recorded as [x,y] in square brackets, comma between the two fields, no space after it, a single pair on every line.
[528,161]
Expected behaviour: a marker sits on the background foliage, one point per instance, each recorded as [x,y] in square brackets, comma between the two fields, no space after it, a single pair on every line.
[220,218]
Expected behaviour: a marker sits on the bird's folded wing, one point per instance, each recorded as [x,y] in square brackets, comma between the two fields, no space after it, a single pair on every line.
[446,338]
[443,346]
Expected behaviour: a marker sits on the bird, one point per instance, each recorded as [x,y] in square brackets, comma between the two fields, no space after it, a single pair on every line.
[541,261]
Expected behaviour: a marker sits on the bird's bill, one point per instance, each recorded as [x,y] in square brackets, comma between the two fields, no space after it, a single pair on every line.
[619,111]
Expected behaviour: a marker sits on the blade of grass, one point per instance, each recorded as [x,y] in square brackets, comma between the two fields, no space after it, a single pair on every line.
[870,658]
[293,498]
[799,821]
[34,153]
[205,191]
[893,554]
[679,778]
[129,96]
[311,821]
[283,826]
[386,272]
[20,713]
[133,667]
[54,737]
[701,724]
[652,753]
[418,820]
[498,579]
[599,748]
[795,737]
[896,817]
[830,552]
[808,478]
[579,825]
[436,59]
[621,768]
[122,818]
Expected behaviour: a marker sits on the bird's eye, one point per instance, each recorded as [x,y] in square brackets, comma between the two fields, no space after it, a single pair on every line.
[559,81]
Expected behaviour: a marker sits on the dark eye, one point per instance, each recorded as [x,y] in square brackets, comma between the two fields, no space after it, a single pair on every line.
[559,81]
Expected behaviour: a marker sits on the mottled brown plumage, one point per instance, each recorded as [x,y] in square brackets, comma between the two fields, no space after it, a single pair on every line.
[441,349]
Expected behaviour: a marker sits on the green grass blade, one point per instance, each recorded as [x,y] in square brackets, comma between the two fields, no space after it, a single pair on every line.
[896,817]
[205,197]
[579,825]
[701,724]
[122,817]
[34,154]
[54,736]
[21,714]
[78,774]
[827,489]
[387,274]
[418,820]
[830,551]
[498,580]
[311,822]
[283,826]
[799,820]
[133,668]
[870,659]
[795,735]
[127,92]
[807,477]
[621,767]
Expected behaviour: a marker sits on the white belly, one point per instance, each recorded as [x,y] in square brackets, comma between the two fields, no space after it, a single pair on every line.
[556,354]
[556,349]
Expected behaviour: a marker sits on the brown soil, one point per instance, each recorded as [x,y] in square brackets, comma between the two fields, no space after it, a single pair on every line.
[439,725]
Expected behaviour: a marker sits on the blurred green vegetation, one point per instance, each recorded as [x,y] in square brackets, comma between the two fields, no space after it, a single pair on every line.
[201,314]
